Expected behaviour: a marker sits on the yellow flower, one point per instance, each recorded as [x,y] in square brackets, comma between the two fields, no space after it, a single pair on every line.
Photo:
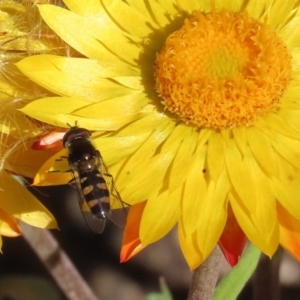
[196,111]
[18,38]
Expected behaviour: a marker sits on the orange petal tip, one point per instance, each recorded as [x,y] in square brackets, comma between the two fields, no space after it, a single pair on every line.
[131,249]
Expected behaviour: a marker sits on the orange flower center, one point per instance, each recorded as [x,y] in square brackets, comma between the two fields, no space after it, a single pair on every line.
[222,70]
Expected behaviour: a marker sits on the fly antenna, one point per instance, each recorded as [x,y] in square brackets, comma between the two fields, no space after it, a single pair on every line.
[71,125]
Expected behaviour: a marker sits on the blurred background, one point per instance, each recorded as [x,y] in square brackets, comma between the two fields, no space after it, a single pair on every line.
[22,275]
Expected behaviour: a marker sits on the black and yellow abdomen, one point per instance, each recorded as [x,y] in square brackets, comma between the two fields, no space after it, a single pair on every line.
[95,192]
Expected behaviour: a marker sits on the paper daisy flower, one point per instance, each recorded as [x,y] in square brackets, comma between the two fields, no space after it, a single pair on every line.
[196,112]
[17,39]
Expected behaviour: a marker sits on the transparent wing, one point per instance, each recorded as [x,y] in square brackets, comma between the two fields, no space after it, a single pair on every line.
[96,224]
[118,208]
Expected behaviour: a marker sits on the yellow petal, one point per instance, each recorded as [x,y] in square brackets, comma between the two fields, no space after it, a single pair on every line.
[23,205]
[230,5]
[292,116]
[211,218]
[76,31]
[160,216]
[44,177]
[245,221]
[254,191]
[138,164]
[114,108]
[203,137]
[287,148]
[180,132]
[168,5]
[133,82]
[106,116]
[145,124]
[242,181]
[212,214]
[215,155]
[290,33]
[287,188]
[90,35]
[129,18]
[146,180]
[265,217]
[54,110]
[263,151]
[277,124]
[264,128]
[124,47]
[240,138]
[159,13]
[91,7]
[78,78]
[53,106]
[183,159]
[257,9]
[110,146]
[50,179]
[141,7]
[195,191]
[61,111]
[189,247]
[280,12]
[192,5]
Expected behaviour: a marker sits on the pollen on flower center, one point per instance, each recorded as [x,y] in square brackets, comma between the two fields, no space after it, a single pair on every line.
[222,70]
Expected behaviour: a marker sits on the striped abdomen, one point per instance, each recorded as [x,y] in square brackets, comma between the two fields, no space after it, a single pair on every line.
[95,192]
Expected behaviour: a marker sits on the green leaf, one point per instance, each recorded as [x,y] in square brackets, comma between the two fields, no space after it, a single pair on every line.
[231,285]
[165,293]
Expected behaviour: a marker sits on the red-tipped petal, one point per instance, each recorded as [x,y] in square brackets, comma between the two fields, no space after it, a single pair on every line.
[233,239]
[131,244]
[50,141]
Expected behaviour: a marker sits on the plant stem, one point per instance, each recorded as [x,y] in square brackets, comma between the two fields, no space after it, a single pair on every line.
[266,277]
[205,277]
[57,263]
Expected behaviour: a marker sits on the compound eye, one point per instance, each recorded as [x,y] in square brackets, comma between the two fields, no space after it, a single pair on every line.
[75,133]
[84,133]
[68,138]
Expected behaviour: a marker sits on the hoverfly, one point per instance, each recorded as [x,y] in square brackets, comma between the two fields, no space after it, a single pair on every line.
[98,197]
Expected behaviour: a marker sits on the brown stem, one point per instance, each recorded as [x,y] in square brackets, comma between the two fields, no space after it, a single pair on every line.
[205,277]
[57,263]
[266,277]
